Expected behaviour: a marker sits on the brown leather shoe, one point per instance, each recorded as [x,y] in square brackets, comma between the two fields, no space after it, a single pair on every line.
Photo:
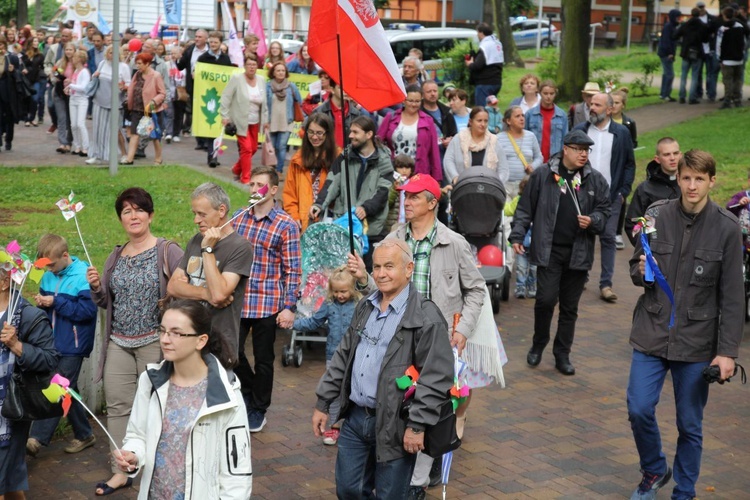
[608,294]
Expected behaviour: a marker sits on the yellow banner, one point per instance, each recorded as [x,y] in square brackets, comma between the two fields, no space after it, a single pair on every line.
[210,82]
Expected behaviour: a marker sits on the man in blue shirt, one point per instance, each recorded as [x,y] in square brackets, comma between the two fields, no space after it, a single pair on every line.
[393,328]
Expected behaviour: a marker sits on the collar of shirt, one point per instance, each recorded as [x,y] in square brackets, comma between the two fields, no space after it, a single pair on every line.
[271,215]
[430,236]
[602,130]
[396,304]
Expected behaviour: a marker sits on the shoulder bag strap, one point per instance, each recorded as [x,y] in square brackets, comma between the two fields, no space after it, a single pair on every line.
[518,150]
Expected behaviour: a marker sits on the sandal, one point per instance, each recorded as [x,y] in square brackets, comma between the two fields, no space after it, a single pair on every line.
[62,150]
[108,490]
[27,124]
[158,162]
[125,162]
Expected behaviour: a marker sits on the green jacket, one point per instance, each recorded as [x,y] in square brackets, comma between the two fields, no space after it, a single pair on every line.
[373,193]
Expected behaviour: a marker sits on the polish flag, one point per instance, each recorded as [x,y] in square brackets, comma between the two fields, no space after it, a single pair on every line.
[370,72]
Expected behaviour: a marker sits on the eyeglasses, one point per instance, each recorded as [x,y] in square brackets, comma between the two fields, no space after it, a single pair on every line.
[172,334]
[364,336]
[580,151]
[316,133]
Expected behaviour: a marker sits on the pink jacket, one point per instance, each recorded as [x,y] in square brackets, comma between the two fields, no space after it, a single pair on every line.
[428,153]
[153,90]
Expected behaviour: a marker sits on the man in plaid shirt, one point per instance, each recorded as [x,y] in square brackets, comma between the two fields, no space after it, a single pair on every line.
[271,291]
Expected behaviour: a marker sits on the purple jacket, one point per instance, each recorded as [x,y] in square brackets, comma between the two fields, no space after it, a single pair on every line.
[428,154]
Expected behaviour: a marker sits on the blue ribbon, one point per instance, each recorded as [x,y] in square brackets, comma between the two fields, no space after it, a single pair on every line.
[653,273]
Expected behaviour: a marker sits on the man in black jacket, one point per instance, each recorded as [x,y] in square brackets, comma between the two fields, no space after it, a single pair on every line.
[694,34]
[697,245]
[660,183]
[486,68]
[187,62]
[213,55]
[730,42]
[568,203]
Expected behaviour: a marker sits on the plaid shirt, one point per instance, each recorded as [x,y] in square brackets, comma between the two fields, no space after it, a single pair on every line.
[275,274]
[421,249]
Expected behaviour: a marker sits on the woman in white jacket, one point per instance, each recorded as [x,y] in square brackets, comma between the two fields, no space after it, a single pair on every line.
[188,430]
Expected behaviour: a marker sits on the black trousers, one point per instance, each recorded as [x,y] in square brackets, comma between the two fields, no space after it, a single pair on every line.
[557,282]
[257,384]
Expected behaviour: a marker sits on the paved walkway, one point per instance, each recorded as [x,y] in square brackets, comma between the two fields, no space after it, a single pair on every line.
[545,436]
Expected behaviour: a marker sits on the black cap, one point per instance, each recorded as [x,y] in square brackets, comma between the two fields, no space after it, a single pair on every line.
[578,137]
[131,31]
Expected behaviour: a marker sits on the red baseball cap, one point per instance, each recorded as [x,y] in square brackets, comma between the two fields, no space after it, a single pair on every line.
[422,182]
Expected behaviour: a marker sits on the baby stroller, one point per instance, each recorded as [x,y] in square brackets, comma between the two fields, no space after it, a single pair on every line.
[477,203]
[325,246]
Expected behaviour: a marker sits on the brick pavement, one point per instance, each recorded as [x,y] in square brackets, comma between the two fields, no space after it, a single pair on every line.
[545,436]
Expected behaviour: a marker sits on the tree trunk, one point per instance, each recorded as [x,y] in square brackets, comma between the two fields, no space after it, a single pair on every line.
[573,70]
[501,26]
[622,36]
[38,14]
[22,13]
[652,24]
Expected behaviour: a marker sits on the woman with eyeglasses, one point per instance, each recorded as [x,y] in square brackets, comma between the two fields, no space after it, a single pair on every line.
[308,168]
[129,289]
[412,132]
[189,406]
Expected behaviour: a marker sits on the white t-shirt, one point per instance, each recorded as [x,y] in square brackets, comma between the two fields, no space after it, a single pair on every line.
[404,140]
[601,151]
[255,102]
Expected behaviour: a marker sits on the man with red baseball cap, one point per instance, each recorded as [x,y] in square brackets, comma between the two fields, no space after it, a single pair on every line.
[442,262]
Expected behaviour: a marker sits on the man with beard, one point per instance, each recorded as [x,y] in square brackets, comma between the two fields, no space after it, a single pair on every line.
[565,221]
[370,179]
[612,156]
[660,183]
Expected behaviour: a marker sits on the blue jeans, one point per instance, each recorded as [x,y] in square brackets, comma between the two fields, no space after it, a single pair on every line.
[43,430]
[525,274]
[667,76]
[712,75]
[607,240]
[279,140]
[647,374]
[694,67]
[482,92]
[358,472]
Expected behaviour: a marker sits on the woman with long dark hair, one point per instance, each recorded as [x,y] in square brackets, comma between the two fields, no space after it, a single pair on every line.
[189,404]
[303,63]
[309,167]
[33,68]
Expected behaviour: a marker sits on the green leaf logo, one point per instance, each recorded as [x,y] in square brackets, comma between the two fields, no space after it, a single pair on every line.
[211,108]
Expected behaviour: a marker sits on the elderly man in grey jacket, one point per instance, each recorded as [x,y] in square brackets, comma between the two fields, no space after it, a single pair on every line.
[444,271]
[392,329]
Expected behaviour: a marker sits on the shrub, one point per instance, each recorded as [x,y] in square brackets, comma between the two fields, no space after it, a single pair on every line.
[454,66]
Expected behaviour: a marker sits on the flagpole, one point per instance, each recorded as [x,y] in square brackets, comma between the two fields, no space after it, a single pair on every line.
[346,144]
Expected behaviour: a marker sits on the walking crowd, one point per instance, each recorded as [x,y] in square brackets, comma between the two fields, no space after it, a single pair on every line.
[182,396]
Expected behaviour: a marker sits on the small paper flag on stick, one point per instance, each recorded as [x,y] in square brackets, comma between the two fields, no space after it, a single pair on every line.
[255,198]
[69,210]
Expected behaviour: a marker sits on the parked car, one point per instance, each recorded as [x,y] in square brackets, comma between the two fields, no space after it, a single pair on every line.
[525,33]
[430,41]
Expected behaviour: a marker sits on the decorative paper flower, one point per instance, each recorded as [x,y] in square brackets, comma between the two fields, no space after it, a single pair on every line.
[646,224]
[68,207]
[561,182]
[577,181]
[59,389]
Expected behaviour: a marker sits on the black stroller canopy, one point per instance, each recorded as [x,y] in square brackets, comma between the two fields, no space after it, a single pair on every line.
[478,199]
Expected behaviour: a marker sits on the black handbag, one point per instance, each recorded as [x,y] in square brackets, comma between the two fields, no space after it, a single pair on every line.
[24,399]
[440,438]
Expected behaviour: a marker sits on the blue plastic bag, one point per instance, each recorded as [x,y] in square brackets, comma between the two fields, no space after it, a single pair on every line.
[156,131]
[358,228]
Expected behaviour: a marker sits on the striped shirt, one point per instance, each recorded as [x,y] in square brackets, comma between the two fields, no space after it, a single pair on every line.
[275,274]
[374,339]
[421,250]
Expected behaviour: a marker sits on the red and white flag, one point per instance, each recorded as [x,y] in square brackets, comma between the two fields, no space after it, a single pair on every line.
[370,72]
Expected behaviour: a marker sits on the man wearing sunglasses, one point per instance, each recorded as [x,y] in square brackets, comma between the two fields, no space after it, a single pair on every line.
[566,204]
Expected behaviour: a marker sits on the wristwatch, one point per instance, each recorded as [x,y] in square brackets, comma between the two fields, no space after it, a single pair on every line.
[415,431]
[207,250]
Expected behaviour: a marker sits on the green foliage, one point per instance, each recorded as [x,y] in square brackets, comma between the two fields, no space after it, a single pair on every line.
[49,7]
[547,68]
[649,65]
[521,7]
[454,65]
[602,72]
[211,108]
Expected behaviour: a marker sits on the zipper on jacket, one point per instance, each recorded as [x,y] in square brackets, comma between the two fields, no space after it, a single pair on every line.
[75,335]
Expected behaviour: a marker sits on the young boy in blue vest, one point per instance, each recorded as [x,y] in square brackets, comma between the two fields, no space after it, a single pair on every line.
[64,294]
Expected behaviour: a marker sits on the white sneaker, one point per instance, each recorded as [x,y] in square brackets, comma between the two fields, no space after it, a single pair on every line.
[168,139]
[619,242]
[176,139]
[92,161]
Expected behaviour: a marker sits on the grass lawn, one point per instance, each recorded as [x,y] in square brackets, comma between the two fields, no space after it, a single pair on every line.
[28,211]
[721,133]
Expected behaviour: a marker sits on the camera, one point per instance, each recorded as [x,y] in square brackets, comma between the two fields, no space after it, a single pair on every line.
[712,374]
[230,129]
